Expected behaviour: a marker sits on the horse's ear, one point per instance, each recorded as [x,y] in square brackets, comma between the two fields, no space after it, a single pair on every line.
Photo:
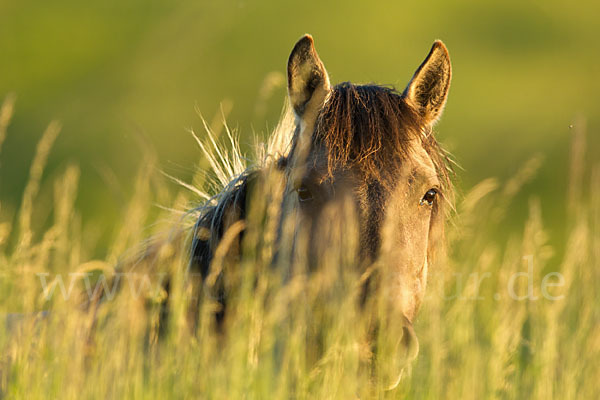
[427,91]
[308,82]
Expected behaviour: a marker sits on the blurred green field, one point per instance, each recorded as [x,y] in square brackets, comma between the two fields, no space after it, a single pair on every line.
[127,80]
[112,71]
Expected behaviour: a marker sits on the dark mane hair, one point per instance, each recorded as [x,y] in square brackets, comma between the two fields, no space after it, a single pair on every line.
[368,126]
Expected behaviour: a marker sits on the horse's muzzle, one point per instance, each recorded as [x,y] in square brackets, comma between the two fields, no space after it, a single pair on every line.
[405,351]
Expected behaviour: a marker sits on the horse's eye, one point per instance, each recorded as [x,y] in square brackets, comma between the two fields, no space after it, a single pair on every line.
[429,197]
[304,193]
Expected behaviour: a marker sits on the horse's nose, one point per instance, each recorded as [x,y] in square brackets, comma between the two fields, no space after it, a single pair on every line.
[406,350]
[409,343]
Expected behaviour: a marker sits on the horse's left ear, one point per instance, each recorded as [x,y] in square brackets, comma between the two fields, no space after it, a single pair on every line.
[308,82]
[427,91]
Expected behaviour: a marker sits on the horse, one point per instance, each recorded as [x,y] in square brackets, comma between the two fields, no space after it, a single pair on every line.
[356,155]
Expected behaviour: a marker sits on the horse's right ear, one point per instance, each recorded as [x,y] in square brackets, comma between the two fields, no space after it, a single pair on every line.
[427,91]
[308,82]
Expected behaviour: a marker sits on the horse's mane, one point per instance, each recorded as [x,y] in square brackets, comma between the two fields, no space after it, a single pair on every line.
[232,173]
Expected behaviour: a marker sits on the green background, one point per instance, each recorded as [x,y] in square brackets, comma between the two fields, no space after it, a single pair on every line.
[119,74]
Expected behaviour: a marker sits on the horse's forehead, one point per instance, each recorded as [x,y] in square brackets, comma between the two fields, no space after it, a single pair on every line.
[421,160]
[413,161]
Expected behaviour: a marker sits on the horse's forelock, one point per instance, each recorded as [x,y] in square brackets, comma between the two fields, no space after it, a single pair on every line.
[371,126]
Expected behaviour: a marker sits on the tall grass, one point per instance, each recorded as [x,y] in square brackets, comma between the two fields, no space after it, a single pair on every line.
[491,326]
